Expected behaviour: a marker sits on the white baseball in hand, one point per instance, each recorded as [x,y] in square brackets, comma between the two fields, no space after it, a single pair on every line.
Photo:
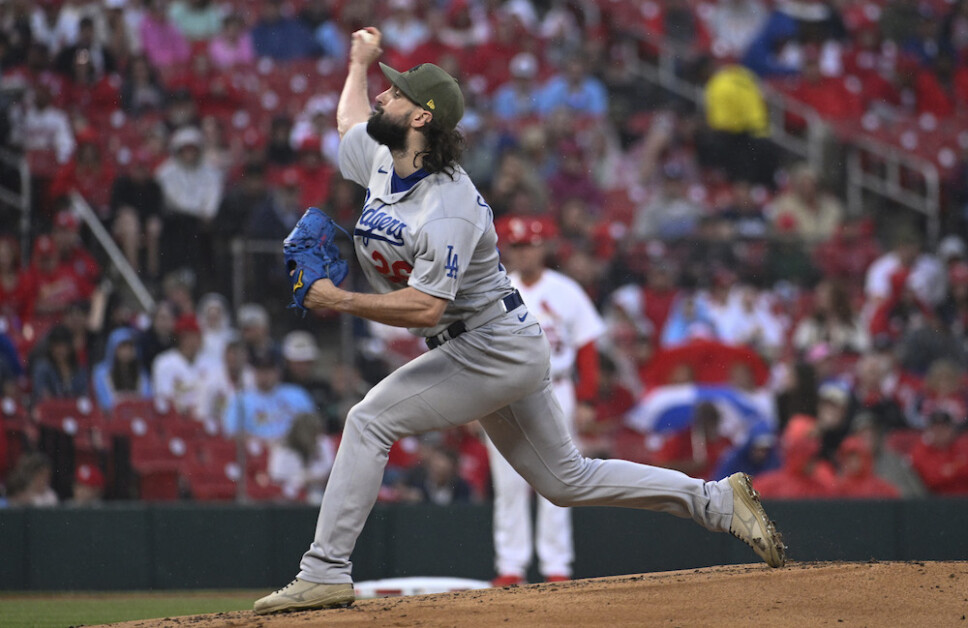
[366,36]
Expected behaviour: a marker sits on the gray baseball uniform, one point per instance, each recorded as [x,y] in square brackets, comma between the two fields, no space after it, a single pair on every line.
[439,238]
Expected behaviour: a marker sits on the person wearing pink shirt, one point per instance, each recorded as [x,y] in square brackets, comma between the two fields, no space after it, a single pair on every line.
[164,45]
[233,46]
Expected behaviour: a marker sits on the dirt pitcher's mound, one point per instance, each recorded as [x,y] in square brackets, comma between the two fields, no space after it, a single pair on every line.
[802,594]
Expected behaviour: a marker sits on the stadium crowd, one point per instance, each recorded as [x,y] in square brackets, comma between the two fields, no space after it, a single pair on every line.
[754,323]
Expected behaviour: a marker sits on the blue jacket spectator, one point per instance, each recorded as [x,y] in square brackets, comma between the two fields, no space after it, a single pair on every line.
[516,98]
[689,318]
[121,374]
[758,454]
[574,89]
[281,38]
[762,56]
[57,373]
[267,411]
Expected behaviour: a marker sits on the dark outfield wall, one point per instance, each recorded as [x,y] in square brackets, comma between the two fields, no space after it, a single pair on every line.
[138,546]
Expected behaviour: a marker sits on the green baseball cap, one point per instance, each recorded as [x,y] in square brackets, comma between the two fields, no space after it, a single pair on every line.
[432,88]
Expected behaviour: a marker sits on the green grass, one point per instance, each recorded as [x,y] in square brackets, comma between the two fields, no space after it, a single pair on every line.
[43,610]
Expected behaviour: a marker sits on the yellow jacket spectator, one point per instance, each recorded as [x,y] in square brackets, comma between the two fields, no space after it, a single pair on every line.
[734,102]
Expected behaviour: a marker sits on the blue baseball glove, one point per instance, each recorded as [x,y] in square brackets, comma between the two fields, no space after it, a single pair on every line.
[312,254]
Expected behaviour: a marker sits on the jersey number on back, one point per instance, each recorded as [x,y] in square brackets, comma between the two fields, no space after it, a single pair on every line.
[398,272]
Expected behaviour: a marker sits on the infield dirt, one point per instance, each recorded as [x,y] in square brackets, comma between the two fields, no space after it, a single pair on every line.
[801,594]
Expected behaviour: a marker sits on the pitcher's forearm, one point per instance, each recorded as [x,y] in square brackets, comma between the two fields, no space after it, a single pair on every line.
[354,101]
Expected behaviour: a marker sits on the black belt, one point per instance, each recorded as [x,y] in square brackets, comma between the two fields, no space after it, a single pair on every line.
[511,302]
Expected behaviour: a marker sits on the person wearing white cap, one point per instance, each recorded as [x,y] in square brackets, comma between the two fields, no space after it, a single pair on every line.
[192,191]
[516,98]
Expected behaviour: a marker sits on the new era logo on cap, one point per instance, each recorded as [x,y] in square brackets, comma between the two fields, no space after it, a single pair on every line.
[431,85]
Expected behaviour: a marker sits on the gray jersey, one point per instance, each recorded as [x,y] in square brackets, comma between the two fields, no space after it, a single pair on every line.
[437,237]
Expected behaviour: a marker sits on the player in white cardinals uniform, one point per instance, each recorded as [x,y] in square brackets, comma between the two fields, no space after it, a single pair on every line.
[427,245]
[571,324]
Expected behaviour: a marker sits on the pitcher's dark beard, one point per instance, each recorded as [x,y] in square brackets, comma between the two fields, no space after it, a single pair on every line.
[386,132]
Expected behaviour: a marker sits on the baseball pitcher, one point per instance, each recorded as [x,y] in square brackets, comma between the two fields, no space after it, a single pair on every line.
[427,245]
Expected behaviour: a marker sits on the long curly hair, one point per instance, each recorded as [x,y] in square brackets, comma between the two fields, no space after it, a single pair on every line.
[444,149]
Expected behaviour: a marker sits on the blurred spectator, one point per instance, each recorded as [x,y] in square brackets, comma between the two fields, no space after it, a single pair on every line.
[857,478]
[738,123]
[764,55]
[317,122]
[280,37]
[805,209]
[120,33]
[268,410]
[870,395]
[47,129]
[943,391]
[233,375]
[573,179]
[849,253]
[314,173]
[88,486]
[15,289]
[827,95]
[924,43]
[833,418]
[215,322]
[197,20]
[696,451]
[101,61]
[670,214]
[192,191]
[831,321]
[466,26]
[751,322]
[136,206]
[253,323]
[574,89]
[279,149]
[516,98]
[300,352]
[802,475]
[163,43]
[211,89]
[689,318]
[302,461]
[733,24]
[787,260]
[758,454]
[926,274]
[180,111]
[141,90]
[403,31]
[902,312]
[941,457]
[43,26]
[436,480]
[159,337]
[70,249]
[331,34]
[276,218]
[177,376]
[743,213]
[953,312]
[88,174]
[178,289]
[954,30]
[232,47]
[56,372]
[29,482]
[54,286]
[888,464]
[122,374]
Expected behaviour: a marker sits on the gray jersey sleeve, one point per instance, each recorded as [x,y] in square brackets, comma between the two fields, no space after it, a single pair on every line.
[444,248]
[357,150]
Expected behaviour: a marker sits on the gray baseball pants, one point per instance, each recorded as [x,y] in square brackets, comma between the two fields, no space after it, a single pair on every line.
[498,373]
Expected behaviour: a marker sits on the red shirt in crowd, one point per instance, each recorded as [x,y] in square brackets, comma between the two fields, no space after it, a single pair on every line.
[943,468]
[857,472]
[689,453]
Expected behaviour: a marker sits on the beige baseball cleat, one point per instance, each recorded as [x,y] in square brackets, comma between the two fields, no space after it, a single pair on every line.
[750,523]
[300,595]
